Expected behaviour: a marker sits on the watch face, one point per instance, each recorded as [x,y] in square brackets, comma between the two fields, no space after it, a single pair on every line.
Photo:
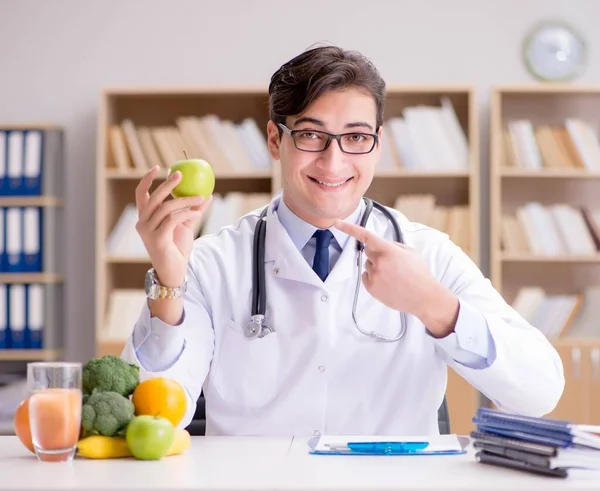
[149,282]
[553,51]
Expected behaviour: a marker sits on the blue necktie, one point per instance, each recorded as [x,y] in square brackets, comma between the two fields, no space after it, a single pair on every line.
[321,261]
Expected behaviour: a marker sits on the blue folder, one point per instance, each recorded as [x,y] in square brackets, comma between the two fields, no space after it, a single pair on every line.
[387,446]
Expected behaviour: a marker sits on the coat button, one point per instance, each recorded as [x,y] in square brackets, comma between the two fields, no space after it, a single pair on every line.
[276,271]
[321,368]
[324,298]
[317,433]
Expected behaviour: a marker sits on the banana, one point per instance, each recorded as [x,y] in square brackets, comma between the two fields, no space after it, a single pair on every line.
[103,447]
[115,447]
[181,442]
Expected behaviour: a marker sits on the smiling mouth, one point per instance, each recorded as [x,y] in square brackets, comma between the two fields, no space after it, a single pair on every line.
[332,185]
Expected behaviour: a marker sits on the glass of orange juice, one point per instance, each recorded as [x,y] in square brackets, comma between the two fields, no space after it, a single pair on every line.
[55,401]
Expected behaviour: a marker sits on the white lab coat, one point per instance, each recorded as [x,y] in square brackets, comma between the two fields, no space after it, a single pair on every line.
[317,374]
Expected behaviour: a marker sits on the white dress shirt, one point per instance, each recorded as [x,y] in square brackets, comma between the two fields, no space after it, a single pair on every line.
[317,373]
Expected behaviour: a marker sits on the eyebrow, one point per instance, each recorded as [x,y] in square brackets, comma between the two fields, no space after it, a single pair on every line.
[318,122]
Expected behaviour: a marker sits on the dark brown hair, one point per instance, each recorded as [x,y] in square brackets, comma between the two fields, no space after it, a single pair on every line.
[309,75]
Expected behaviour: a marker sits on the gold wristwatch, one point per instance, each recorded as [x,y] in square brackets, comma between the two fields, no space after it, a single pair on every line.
[154,290]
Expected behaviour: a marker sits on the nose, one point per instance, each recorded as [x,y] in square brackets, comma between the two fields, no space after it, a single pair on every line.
[332,158]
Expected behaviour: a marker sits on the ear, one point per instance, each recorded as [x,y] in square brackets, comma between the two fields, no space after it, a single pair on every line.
[273,140]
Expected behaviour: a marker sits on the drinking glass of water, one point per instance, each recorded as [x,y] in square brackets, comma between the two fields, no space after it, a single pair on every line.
[55,401]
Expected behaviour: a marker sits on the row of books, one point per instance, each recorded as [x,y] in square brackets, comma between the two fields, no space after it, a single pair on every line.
[536,147]
[551,230]
[422,138]
[124,240]
[565,315]
[229,147]
[452,220]
[425,138]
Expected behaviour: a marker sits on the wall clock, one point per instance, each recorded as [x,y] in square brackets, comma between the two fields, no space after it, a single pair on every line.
[554,51]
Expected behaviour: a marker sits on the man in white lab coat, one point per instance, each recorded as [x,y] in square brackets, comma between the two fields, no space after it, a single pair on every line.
[317,373]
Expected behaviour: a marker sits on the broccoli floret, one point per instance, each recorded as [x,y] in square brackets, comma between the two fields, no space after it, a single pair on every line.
[110,374]
[106,413]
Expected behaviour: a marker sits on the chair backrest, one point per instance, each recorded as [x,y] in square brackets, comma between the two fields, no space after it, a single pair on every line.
[444,418]
[198,424]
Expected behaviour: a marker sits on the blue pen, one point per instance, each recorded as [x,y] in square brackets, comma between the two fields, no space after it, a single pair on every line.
[382,447]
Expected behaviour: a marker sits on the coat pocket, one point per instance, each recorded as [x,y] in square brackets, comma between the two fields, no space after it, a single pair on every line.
[247,371]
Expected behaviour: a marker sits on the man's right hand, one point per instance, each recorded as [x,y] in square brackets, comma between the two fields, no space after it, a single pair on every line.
[167,227]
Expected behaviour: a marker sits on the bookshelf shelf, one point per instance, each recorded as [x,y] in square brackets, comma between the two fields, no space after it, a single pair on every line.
[22,278]
[549,174]
[30,355]
[544,234]
[436,181]
[524,258]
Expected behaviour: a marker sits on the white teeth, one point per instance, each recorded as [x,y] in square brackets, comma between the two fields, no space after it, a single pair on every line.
[330,184]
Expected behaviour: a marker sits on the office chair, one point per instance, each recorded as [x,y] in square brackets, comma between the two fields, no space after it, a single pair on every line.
[197,426]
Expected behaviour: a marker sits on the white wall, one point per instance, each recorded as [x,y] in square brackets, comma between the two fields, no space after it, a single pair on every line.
[56,55]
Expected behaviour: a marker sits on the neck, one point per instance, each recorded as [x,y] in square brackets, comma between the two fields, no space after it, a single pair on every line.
[316,221]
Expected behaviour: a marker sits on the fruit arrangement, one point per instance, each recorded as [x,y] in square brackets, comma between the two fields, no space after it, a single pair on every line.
[122,416]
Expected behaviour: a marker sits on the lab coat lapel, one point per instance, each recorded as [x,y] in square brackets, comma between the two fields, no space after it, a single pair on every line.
[287,261]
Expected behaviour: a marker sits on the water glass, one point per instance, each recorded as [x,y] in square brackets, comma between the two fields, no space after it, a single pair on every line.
[55,401]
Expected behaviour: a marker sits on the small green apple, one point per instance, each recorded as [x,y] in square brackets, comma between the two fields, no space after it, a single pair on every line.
[197,178]
[149,437]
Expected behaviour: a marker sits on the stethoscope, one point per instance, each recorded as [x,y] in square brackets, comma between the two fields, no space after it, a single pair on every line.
[257,328]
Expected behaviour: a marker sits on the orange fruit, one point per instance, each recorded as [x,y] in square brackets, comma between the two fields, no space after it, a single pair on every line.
[160,396]
[21,424]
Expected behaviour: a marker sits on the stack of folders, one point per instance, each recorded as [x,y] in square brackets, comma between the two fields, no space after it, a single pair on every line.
[540,445]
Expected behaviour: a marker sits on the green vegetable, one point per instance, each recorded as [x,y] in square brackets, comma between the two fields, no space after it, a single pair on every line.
[106,413]
[110,373]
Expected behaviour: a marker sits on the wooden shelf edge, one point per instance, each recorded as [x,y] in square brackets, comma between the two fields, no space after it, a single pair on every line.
[406,174]
[6,201]
[524,258]
[549,174]
[547,88]
[576,342]
[127,260]
[109,347]
[114,174]
[30,355]
[30,278]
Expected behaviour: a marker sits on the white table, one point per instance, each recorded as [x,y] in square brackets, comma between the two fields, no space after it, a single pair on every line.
[227,463]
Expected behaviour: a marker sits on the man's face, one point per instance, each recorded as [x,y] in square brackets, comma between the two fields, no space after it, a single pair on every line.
[323,186]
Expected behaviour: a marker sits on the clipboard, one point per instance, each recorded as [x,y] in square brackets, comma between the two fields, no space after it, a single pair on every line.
[388,445]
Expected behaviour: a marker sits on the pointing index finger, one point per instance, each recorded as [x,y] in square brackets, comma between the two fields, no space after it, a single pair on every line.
[360,233]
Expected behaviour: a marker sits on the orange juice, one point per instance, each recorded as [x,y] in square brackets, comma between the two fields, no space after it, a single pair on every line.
[55,419]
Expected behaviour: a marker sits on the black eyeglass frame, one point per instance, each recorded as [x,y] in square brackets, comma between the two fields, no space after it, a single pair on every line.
[330,136]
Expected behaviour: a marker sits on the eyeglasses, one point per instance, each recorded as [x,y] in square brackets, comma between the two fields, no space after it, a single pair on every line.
[318,141]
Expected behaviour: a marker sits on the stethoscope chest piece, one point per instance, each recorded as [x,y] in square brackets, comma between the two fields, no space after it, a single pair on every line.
[255,328]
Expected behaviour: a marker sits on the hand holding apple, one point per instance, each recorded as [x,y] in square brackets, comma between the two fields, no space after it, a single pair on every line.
[166,226]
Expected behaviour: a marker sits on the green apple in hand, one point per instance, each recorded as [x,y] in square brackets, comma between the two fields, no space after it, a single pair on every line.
[149,437]
[197,178]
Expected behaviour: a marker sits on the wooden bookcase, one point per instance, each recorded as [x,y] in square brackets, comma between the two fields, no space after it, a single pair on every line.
[32,191]
[434,180]
[544,152]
